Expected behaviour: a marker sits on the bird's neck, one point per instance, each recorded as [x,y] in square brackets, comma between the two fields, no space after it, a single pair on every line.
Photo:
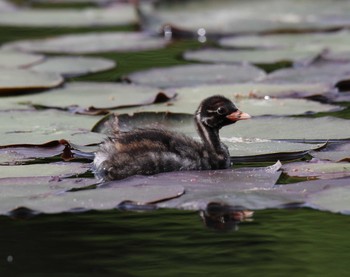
[209,136]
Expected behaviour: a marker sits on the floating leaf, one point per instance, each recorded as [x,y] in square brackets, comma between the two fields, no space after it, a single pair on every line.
[37,127]
[335,153]
[223,17]
[245,187]
[15,59]
[246,96]
[14,80]
[36,170]
[238,147]
[334,199]
[96,199]
[93,98]
[333,42]
[323,72]
[90,43]
[255,56]
[20,153]
[187,75]
[120,14]
[317,169]
[69,66]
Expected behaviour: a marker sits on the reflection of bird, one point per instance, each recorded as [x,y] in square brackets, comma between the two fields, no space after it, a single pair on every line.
[150,151]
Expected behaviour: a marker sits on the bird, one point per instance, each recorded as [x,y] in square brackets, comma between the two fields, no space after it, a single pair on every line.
[148,151]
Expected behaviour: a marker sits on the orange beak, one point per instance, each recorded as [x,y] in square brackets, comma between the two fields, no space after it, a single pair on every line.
[238,115]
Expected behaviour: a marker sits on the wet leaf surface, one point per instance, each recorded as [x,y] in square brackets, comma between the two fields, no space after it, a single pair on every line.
[72,66]
[90,43]
[187,75]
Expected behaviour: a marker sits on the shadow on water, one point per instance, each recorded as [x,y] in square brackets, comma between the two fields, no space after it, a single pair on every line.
[299,242]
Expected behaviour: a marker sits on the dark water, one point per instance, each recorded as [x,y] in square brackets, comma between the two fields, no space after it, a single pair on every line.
[174,243]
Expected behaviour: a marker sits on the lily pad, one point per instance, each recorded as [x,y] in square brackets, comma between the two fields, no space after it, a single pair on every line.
[96,199]
[248,98]
[16,59]
[186,75]
[336,153]
[92,98]
[238,146]
[323,72]
[90,43]
[333,42]
[36,170]
[224,17]
[72,66]
[255,56]
[317,169]
[37,127]
[14,80]
[121,14]
[335,199]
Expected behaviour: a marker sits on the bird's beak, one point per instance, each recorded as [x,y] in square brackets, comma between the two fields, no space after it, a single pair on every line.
[238,115]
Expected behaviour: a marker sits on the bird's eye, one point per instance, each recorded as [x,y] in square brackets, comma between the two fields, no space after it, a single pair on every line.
[221,110]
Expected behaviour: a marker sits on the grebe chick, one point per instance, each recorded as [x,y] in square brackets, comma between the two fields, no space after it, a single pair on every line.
[150,151]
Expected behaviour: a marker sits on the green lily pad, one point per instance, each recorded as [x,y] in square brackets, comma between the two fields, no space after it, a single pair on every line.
[71,66]
[93,199]
[121,14]
[255,56]
[82,97]
[322,72]
[248,98]
[317,169]
[37,170]
[14,80]
[333,42]
[90,43]
[335,153]
[254,107]
[224,17]
[15,59]
[187,75]
[335,199]
[238,146]
[37,127]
